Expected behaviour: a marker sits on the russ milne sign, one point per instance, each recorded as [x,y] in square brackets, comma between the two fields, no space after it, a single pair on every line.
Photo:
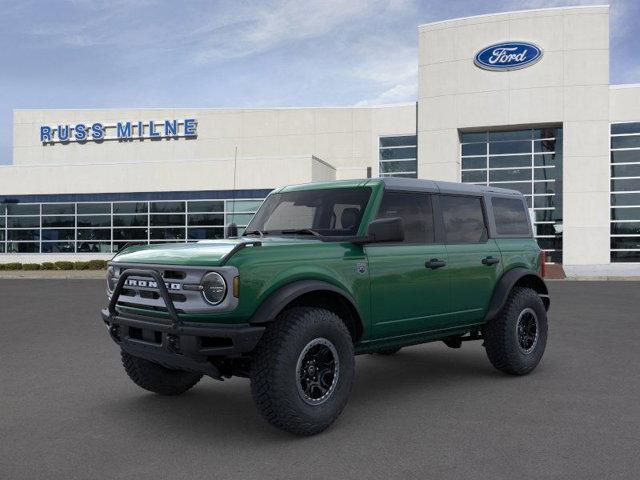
[508,56]
[96,132]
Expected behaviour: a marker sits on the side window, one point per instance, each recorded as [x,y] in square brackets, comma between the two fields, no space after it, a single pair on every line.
[463,219]
[511,216]
[415,211]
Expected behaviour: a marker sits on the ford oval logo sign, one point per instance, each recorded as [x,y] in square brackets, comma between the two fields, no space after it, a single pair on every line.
[508,56]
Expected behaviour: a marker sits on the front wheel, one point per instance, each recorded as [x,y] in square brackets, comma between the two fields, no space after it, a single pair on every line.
[303,369]
[516,339]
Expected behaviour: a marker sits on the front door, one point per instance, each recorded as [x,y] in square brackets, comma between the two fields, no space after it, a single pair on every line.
[475,263]
[409,280]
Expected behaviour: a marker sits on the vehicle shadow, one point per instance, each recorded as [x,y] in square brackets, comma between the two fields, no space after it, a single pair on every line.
[226,410]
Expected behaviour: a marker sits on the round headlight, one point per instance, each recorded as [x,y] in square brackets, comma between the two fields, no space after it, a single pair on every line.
[111,284]
[214,288]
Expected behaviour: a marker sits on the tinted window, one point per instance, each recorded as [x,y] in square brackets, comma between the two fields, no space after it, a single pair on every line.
[511,216]
[463,219]
[415,211]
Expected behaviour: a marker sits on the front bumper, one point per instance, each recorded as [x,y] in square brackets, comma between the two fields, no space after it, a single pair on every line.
[172,342]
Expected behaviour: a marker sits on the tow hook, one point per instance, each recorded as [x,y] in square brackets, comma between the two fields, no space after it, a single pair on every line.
[173,343]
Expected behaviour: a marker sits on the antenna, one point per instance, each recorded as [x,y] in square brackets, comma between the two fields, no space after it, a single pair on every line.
[232,228]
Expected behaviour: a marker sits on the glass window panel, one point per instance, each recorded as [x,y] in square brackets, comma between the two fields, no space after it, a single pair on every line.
[544,187]
[22,209]
[510,135]
[23,234]
[3,209]
[625,199]
[94,247]
[94,221]
[475,176]
[2,246]
[398,153]
[117,246]
[509,147]
[205,233]
[56,234]
[243,205]
[167,220]
[545,215]
[206,219]
[130,207]
[94,234]
[474,149]
[58,247]
[93,208]
[546,133]
[129,234]
[629,256]
[167,233]
[239,219]
[546,229]
[529,200]
[544,145]
[23,222]
[543,201]
[544,173]
[625,170]
[510,175]
[463,219]
[206,206]
[627,185]
[625,213]
[632,141]
[625,156]
[130,220]
[544,159]
[550,243]
[474,162]
[398,141]
[510,161]
[626,228]
[58,209]
[23,247]
[403,166]
[511,217]
[524,187]
[58,221]
[633,127]
[629,243]
[167,207]
[467,137]
[415,211]
[2,236]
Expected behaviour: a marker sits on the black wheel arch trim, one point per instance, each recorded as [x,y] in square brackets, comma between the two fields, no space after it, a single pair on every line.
[506,283]
[279,299]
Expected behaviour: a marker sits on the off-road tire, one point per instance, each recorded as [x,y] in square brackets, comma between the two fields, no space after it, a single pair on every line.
[274,374]
[501,338]
[156,378]
[388,351]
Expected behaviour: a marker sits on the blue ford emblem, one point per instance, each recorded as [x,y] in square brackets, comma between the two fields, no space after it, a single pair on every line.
[508,56]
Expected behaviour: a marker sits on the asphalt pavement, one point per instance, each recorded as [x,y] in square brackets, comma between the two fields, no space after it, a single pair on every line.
[68,411]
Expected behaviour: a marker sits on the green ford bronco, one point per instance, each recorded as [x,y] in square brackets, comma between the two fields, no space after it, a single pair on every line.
[326,271]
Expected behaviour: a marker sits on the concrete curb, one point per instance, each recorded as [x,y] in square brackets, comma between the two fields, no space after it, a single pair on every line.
[52,274]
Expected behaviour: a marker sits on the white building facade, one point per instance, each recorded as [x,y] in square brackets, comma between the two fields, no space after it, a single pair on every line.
[534,112]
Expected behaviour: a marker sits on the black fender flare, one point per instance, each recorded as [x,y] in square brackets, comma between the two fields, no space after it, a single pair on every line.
[277,300]
[506,284]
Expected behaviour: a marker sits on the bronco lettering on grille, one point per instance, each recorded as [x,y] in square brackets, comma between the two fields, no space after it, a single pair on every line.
[132,282]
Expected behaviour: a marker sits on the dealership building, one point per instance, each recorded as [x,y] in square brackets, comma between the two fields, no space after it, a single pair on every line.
[520,100]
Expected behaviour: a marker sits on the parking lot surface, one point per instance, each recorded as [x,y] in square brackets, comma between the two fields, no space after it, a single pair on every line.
[68,411]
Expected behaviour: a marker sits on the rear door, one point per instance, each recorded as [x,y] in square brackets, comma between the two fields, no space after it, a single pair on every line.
[474,262]
[409,280]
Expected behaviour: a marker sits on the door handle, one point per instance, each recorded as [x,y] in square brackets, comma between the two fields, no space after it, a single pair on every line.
[434,263]
[490,260]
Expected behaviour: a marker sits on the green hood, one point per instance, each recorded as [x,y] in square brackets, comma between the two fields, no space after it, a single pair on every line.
[206,253]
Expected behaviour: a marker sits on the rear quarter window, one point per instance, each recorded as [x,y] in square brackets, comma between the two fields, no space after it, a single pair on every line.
[510,216]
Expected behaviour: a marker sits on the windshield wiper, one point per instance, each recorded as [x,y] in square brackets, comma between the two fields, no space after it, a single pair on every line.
[255,232]
[301,231]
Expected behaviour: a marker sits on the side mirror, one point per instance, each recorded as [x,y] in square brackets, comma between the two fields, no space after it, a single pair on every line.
[232,230]
[385,230]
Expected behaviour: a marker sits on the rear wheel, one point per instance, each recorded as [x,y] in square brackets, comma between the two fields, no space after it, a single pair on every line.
[302,371]
[516,339]
[156,378]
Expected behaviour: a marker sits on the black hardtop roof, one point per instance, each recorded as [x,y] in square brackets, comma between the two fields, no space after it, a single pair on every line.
[415,184]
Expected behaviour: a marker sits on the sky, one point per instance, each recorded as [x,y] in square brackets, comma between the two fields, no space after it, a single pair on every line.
[208,53]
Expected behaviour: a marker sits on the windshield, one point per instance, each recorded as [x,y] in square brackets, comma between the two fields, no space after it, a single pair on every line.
[324,212]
